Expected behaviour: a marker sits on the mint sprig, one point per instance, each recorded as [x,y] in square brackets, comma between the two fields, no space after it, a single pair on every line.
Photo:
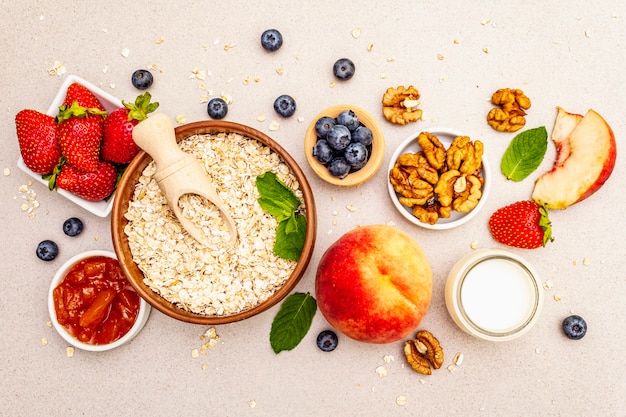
[281,202]
[524,154]
[292,322]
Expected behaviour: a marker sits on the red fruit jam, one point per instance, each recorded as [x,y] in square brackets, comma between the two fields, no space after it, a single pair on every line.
[95,302]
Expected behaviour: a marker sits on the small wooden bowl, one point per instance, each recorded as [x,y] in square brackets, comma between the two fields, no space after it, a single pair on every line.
[376,156]
[125,192]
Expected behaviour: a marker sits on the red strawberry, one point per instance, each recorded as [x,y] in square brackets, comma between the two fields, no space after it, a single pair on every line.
[92,186]
[524,224]
[80,135]
[39,140]
[117,144]
[83,96]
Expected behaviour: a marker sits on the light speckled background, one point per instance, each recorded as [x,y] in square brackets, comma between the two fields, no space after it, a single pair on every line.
[567,53]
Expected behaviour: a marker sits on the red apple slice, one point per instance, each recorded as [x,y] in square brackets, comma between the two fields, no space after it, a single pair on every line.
[586,153]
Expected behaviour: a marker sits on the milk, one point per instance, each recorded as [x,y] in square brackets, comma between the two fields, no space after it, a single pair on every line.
[498,295]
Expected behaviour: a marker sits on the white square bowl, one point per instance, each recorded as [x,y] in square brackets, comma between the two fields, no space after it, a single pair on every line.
[110,103]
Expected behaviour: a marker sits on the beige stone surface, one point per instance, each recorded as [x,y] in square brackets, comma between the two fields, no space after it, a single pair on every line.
[457,53]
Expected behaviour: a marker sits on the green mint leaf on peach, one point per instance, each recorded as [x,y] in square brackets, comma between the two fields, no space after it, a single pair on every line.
[290,237]
[276,198]
[292,322]
[524,154]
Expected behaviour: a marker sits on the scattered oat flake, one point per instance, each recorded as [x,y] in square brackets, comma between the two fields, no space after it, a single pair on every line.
[537,350]
[356,32]
[548,285]
[49,324]
[351,208]
[485,22]
[440,57]
[160,40]
[227,98]
[456,41]
[335,213]
[300,119]
[422,381]
[261,117]
[180,119]
[257,79]
[228,47]
[280,70]
[69,351]
[588,33]
[57,69]
[586,261]
[388,358]
[451,368]
[401,400]
[125,52]
[557,297]
[246,81]
[441,79]
[252,403]
[44,341]
[332,84]
[105,69]
[474,244]
[7,172]
[381,371]
[274,125]
[391,59]
[194,353]
[370,47]
[458,359]
[204,366]
[486,50]
[383,75]
[198,74]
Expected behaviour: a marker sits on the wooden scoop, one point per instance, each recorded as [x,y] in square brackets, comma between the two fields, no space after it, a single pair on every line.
[177,172]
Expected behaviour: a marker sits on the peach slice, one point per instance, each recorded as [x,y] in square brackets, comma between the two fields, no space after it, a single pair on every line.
[586,152]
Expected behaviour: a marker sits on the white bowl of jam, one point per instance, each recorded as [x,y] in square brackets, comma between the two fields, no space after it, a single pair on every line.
[92,305]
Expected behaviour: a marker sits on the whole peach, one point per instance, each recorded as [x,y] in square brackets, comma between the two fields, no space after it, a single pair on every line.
[374,284]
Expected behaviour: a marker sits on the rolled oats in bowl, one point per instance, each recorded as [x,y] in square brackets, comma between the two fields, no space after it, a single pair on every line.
[220,280]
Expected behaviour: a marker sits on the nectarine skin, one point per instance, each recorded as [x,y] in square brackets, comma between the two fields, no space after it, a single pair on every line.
[374,284]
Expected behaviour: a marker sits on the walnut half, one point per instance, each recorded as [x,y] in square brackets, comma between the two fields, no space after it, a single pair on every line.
[424,352]
[400,105]
[509,116]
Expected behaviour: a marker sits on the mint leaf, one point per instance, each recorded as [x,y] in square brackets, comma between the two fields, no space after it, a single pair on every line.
[290,237]
[292,322]
[276,197]
[524,154]
[281,202]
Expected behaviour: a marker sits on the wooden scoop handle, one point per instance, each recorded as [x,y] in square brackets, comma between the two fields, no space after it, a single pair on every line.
[177,172]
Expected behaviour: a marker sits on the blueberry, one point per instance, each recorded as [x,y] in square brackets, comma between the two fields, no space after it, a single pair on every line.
[338,137]
[47,250]
[339,167]
[142,79]
[343,69]
[217,108]
[349,119]
[285,105]
[323,125]
[356,155]
[72,226]
[362,135]
[271,40]
[327,340]
[322,151]
[574,327]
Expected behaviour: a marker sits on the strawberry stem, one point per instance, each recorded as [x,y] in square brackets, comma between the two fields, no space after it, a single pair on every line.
[76,110]
[545,224]
[140,109]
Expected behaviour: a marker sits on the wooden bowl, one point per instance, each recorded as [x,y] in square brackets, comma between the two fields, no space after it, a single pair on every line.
[376,156]
[125,192]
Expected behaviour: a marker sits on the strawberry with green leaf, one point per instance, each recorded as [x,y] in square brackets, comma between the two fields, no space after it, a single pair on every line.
[92,186]
[118,145]
[80,135]
[78,93]
[38,139]
[523,224]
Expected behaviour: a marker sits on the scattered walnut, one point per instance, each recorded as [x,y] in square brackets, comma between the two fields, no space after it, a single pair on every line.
[400,105]
[509,117]
[424,352]
[433,182]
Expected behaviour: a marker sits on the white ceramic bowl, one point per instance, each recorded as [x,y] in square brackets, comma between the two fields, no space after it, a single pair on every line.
[445,136]
[110,103]
[494,295]
[142,316]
